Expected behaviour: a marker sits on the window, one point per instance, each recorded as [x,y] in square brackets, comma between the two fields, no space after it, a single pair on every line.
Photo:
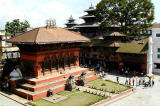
[159,50]
[158,56]
[158,35]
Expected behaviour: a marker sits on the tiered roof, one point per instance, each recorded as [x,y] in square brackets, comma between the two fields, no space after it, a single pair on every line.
[90,18]
[71,21]
[71,24]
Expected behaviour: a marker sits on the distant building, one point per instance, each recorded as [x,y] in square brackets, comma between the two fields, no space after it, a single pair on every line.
[71,24]
[90,26]
[155,52]
[49,59]
[8,51]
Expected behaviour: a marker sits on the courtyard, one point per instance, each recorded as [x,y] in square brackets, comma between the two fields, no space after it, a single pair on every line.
[85,96]
[143,96]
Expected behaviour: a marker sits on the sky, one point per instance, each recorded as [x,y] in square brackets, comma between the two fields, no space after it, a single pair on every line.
[38,11]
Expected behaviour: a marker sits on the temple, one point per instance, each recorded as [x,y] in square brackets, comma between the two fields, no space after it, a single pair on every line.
[90,27]
[49,56]
[71,24]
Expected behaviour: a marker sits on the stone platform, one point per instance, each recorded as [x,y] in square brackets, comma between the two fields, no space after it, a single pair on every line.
[36,88]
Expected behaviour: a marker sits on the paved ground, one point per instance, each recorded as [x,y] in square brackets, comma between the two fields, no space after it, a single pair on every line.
[5,101]
[149,96]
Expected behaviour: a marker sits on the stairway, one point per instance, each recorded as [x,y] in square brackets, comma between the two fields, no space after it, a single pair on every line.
[38,88]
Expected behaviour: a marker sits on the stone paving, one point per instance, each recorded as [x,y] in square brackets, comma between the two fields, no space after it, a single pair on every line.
[144,96]
[11,98]
[5,101]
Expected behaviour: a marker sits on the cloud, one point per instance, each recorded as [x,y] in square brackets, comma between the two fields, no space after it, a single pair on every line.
[36,14]
[38,11]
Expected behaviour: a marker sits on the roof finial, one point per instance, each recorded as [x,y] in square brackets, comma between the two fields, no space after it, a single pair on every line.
[71,17]
[91,7]
[50,23]
[91,4]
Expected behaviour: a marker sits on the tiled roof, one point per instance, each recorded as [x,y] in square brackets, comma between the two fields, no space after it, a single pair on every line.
[100,43]
[48,35]
[138,47]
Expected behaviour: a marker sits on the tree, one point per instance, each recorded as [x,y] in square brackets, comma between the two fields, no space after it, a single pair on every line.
[16,26]
[133,16]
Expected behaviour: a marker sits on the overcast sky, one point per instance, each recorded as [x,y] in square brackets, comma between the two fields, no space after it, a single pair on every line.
[38,11]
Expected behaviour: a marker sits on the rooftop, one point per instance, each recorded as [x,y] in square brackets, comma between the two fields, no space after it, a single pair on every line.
[48,36]
[100,43]
[138,47]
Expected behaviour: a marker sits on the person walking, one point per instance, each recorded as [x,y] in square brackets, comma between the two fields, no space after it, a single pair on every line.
[140,82]
[153,82]
[129,81]
[126,82]
[117,79]
[143,80]
[133,81]
[149,82]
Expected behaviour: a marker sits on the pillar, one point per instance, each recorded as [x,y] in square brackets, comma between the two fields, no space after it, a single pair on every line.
[149,57]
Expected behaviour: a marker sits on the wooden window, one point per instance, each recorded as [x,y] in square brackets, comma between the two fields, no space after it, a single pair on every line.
[54,62]
[47,63]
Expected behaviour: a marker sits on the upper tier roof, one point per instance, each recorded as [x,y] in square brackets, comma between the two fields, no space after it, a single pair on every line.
[48,36]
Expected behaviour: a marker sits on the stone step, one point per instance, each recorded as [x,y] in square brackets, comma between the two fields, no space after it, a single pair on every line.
[34,90]
[49,84]
[44,90]
[48,78]
[38,94]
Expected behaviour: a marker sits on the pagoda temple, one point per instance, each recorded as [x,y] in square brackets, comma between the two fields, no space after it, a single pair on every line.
[71,24]
[49,56]
[90,27]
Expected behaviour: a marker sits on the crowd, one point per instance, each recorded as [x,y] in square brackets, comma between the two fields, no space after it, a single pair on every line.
[137,81]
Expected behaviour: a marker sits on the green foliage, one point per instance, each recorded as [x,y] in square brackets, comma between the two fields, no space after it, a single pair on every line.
[133,16]
[16,26]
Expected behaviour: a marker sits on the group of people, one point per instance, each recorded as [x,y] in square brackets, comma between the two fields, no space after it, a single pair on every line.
[139,81]
[101,71]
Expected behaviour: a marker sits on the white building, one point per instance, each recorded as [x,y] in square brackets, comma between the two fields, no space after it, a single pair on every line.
[7,49]
[154,52]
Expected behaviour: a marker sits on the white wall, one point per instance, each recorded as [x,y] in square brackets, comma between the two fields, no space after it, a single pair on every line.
[156,45]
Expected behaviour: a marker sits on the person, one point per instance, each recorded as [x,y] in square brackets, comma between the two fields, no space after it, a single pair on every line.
[129,81]
[126,82]
[149,82]
[140,81]
[153,82]
[100,74]
[143,80]
[103,74]
[133,81]
[50,93]
[117,79]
